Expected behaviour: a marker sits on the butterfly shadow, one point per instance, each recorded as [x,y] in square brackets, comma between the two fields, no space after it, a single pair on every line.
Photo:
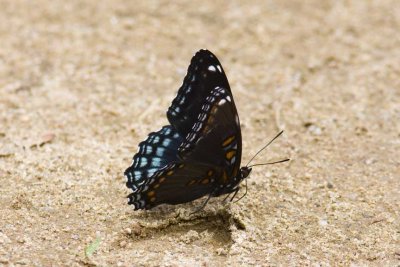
[212,225]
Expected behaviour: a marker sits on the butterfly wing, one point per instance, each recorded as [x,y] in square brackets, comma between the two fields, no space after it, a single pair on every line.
[204,73]
[157,151]
[158,175]
[215,139]
[174,184]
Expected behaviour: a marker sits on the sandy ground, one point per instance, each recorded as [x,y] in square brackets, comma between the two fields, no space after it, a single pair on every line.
[82,83]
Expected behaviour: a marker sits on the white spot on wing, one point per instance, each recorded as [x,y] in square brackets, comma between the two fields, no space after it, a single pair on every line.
[202,116]
[156,162]
[196,126]
[137,174]
[156,139]
[221,102]
[145,188]
[219,68]
[150,172]
[212,68]
[160,151]
[191,138]
[166,142]
[149,150]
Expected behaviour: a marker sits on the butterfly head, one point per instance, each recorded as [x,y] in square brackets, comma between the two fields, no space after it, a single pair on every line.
[245,172]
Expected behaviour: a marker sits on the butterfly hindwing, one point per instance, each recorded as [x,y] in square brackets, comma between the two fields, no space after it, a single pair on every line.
[176,183]
[157,151]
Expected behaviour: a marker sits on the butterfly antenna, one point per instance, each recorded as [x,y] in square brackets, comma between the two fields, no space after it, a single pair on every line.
[269,163]
[273,139]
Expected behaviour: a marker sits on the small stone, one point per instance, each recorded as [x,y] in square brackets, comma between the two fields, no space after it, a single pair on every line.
[315,130]
[122,244]
[221,251]
[4,238]
[190,237]
[22,262]
[323,223]
[136,228]
[369,161]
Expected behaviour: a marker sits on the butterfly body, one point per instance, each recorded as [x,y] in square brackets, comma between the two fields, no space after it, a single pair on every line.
[199,154]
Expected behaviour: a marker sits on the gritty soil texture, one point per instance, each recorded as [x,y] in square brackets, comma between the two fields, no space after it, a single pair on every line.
[83,82]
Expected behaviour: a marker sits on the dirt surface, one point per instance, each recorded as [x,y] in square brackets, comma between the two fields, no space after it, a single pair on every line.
[83,82]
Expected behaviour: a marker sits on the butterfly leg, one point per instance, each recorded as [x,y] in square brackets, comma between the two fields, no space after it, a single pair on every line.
[227,196]
[245,193]
[202,206]
[235,193]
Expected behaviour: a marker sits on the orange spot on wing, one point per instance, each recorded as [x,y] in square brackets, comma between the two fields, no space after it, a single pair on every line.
[235,171]
[214,109]
[228,140]
[224,177]
[151,193]
[170,172]
[192,182]
[229,155]
[205,181]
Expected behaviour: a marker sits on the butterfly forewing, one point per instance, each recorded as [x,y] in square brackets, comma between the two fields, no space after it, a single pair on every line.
[215,139]
[204,74]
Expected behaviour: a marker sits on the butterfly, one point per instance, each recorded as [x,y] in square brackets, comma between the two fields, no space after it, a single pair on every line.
[199,153]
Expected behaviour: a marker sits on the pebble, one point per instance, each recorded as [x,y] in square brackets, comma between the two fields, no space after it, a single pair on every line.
[4,238]
[323,222]
[314,129]
[122,244]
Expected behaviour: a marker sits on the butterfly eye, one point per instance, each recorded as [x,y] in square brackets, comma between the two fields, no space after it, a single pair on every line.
[245,172]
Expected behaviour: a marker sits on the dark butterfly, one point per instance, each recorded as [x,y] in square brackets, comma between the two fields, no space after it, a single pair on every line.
[200,152]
